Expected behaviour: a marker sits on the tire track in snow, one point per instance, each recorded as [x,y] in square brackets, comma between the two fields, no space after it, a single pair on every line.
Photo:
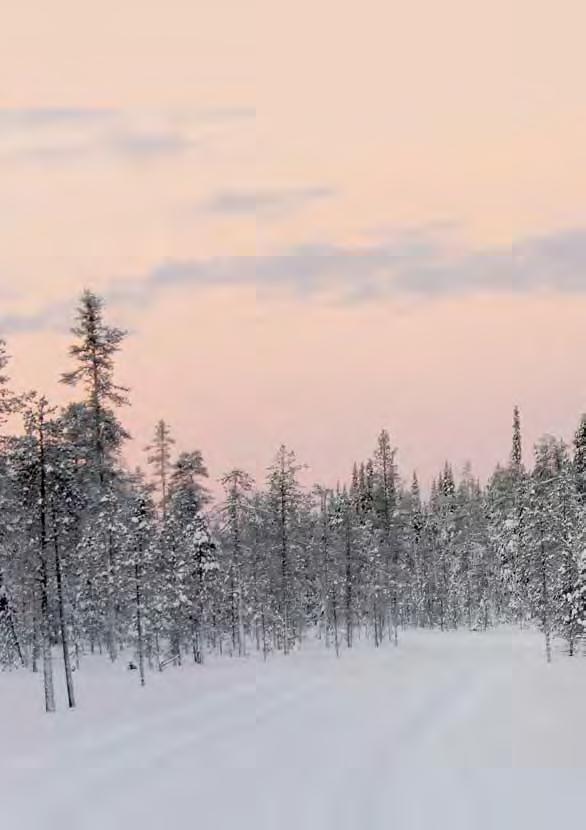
[296,730]
[388,792]
[384,752]
[122,777]
[91,748]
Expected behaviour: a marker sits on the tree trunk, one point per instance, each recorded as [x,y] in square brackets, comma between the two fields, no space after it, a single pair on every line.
[62,620]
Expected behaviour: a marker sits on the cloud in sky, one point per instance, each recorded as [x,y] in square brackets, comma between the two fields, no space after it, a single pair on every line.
[52,316]
[418,264]
[39,118]
[144,144]
[265,203]
[36,118]
[68,134]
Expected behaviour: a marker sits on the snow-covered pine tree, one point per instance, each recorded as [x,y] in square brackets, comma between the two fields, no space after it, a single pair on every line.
[94,352]
[385,513]
[234,514]
[518,482]
[11,651]
[141,545]
[445,514]
[349,538]
[284,502]
[544,535]
[568,534]
[263,599]
[190,558]
[327,564]
[160,458]
[32,469]
[580,457]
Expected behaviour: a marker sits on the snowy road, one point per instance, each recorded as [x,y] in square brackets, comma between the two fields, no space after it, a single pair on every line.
[452,731]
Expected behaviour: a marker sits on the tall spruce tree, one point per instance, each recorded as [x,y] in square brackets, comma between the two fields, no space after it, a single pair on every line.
[94,353]
[284,502]
[235,514]
[160,452]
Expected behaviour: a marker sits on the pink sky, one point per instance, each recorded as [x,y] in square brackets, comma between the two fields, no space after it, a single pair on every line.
[305,213]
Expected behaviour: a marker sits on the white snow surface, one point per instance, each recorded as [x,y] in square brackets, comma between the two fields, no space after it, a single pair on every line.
[453,731]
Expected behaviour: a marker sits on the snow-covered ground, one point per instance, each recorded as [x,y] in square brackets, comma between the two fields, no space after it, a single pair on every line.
[452,731]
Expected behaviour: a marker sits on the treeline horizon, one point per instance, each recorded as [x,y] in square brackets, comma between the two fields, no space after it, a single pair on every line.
[98,557]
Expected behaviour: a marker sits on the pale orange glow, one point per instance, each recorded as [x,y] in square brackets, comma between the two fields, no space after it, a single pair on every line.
[406,115]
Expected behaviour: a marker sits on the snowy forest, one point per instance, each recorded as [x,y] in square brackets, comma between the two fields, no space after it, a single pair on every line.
[145,566]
